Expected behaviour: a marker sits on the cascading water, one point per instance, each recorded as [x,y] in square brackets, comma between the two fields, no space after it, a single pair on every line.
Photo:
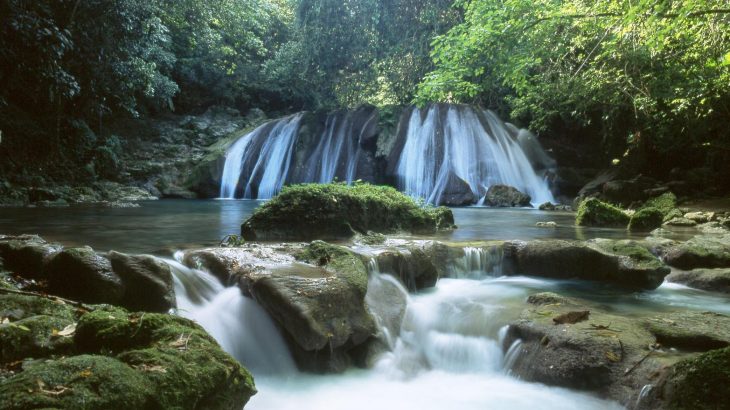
[459,148]
[258,163]
[262,161]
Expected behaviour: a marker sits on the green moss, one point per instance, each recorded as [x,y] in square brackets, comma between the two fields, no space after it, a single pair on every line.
[331,211]
[665,203]
[593,212]
[701,383]
[639,254]
[33,337]
[338,259]
[646,219]
[20,306]
[79,382]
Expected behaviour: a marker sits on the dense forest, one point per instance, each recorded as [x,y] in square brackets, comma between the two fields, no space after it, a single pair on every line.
[648,82]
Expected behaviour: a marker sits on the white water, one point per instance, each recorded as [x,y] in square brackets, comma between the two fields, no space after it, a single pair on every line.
[446,354]
[468,145]
[261,160]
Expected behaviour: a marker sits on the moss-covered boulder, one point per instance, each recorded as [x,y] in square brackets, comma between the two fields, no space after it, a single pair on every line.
[702,251]
[339,211]
[319,304]
[81,274]
[101,357]
[646,219]
[594,212]
[713,280]
[698,383]
[626,264]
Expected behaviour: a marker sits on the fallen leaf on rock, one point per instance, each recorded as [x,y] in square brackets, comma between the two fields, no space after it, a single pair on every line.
[151,368]
[613,357]
[5,321]
[571,317]
[67,331]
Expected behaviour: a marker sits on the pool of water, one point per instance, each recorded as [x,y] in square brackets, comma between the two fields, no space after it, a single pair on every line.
[160,227]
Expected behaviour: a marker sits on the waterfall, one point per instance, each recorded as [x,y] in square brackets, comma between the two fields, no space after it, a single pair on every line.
[258,163]
[478,263]
[461,150]
[238,323]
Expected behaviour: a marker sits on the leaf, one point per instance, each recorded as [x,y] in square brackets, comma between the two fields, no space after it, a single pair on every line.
[151,368]
[613,357]
[67,331]
[5,321]
[85,373]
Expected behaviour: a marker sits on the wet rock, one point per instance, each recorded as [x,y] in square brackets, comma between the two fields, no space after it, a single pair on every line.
[680,221]
[338,211]
[506,196]
[81,274]
[593,212]
[713,228]
[415,265]
[700,217]
[27,255]
[457,193]
[622,263]
[646,219]
[548,224]
[665,203]
[696,331]
[320,305]
[712,280]
[696,383]
[148,284]
[702,251]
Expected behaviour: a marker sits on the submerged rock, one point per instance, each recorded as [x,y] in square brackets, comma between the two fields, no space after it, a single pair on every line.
[506,196]
[338,211]
[713,280]
[623,263]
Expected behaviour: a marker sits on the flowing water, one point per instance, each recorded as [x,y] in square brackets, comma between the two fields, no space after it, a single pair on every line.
[447,351]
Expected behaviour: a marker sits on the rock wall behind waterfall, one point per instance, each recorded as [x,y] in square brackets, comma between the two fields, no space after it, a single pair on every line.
[444,153]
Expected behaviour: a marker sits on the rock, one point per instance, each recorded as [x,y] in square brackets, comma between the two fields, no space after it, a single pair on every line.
[700,217]
[457,193]
[593,212]
[506,196]
[338,211]
[702,251]
[387,301]
[321,307]
[27,255]
[695,331]
[546,206]
[696,383]
[81,274]
[548,224]
[680,222]
[646,219]
[665,203]
[712,280]
[624,263]
[411,266]
[593,354]
[713,228]
[147,282]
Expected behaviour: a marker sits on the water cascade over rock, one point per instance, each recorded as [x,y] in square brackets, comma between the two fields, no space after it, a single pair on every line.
[445,154]
[452,154]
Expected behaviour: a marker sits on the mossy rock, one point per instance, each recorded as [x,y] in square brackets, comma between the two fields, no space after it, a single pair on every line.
[594,212]
[646,219]
[699,383]
[78,382]
[665,203]
[33,337]
[339,211]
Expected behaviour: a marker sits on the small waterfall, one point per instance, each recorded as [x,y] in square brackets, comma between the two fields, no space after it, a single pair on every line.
[461,150]
[258,163]
[239,324]
[478,263]
[388,316]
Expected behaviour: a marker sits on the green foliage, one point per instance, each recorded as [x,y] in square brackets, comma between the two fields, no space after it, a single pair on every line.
[594,212]
[647,76]
[316,211]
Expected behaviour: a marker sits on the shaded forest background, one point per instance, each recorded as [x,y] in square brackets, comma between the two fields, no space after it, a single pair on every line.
[643,83]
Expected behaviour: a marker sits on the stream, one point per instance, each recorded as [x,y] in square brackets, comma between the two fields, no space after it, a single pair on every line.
[448,351]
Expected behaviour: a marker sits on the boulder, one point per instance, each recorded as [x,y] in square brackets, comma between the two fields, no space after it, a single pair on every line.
[694,331]
[416,265]
[27,255]
[624,263]
[338,211]
[712,280]
[319,305]
[700,217]
[702,251]
[147,282]
[81,274]
[680,221]
[593,212]
[665,203]
[457,192]
[506,196]
[646,219]
[697,383]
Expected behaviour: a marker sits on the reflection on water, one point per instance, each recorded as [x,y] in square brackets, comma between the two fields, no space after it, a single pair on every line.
[160,227]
